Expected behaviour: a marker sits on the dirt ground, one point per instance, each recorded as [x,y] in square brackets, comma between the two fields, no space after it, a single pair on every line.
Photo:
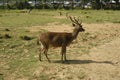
[102,63]
[105,61]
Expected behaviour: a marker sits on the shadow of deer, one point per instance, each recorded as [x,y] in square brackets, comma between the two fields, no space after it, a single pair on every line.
[86,62]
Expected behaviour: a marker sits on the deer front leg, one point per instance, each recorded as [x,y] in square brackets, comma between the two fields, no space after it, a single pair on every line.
[61,56]
[63,53]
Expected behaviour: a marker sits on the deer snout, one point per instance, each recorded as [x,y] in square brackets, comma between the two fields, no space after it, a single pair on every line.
[83,30]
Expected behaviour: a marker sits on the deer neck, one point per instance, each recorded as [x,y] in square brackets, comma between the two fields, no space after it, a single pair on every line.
[75,33]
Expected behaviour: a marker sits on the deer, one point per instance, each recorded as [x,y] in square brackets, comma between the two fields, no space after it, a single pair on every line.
[59,39]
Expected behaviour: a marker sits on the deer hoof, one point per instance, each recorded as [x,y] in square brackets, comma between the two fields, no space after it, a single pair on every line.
[40,60]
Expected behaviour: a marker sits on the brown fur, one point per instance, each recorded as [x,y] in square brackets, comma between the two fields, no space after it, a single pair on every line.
[57,39]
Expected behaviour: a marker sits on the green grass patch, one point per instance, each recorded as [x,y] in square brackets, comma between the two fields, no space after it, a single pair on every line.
[42,17]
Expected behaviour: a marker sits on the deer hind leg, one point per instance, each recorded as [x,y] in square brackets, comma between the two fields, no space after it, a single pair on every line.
[41,50]
[45,52]
[40,55]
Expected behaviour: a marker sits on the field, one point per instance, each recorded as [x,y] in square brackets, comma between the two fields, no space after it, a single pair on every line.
[95,55]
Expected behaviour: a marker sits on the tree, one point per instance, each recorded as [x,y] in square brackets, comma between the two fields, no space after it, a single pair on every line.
[35,3]
[117,4]
[44,4]
[98,5]
[3,4]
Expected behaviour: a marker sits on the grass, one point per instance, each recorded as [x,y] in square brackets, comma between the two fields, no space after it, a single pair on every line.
[19,57]
[42,17]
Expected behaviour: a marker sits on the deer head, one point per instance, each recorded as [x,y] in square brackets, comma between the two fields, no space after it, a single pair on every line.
[77,24]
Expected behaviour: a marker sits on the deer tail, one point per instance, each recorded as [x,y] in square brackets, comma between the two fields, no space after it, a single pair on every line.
[38,42]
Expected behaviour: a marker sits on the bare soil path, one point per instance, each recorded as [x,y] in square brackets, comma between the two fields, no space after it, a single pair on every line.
[104,61]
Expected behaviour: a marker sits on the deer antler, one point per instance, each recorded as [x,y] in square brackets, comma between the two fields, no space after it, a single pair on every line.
[80,20]
[74,20]
[77,20]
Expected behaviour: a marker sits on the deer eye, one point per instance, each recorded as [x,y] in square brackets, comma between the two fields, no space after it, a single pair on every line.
[80,25]
[73,24]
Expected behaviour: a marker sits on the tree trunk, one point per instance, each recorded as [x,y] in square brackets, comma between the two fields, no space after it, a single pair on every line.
[44,5]
[72,4]
[98,4]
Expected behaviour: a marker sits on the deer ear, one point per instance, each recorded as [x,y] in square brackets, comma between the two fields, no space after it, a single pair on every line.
[73,24]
